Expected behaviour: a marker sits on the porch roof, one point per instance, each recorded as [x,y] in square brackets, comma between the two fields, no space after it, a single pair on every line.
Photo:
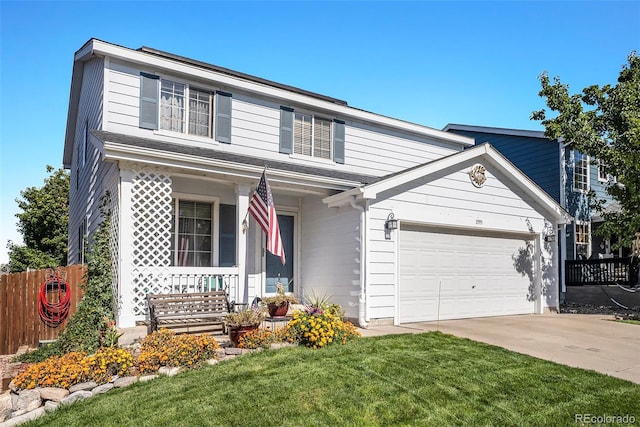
[154,148]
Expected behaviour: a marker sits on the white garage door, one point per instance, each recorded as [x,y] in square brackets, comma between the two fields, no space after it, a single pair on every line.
[449,275]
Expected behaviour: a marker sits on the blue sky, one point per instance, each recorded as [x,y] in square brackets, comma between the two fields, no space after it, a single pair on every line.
[426,62]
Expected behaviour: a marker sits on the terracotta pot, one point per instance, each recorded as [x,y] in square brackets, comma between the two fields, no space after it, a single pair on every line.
[238,331]
[278,310]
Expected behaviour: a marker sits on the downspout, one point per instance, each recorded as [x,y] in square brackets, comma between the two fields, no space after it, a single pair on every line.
[362,300]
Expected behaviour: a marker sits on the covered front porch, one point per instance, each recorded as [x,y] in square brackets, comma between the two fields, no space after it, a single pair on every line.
[183,232]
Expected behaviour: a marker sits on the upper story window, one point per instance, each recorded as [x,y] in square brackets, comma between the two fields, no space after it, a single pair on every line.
[580,171]
[180,107]
[309,135]
[312,136]
[177,115]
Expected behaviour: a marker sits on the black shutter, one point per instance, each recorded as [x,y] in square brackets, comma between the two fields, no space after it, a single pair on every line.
[149,101]
[338,141]
[227,239]
[223,117]
[286,130]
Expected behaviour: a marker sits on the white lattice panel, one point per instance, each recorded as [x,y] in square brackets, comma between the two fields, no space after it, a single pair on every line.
[151,235]
[114,241]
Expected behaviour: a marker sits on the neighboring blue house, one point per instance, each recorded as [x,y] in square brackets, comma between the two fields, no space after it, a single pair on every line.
[565,174]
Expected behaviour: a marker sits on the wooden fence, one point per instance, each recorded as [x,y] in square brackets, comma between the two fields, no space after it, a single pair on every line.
[20,322]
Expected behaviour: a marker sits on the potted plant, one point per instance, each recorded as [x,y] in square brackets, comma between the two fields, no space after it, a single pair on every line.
[240,322]
[278,304]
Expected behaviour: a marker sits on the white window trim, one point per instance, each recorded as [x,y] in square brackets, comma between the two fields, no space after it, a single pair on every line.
[186,134]
[575,238]
[600,177]
[587,174]
[215,211]
[313,115]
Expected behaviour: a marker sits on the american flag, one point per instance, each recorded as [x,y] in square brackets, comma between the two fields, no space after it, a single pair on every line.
[262,209]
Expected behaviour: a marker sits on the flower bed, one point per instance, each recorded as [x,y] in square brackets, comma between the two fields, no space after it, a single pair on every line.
[161,348]
[316,328]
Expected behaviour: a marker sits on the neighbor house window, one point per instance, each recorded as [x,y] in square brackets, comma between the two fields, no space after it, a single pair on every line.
[312,136]
[85,142]
[602,175]
[192,233]
[82,238]
[580,171]
[583,240]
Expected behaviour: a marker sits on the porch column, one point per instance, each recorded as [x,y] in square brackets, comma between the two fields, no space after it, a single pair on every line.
[125,317]
[242,205]
[537,276]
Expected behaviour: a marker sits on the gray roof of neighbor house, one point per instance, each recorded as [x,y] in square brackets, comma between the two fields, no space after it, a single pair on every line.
[207,153]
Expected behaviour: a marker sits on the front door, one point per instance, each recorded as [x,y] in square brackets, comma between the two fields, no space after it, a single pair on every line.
[274,268]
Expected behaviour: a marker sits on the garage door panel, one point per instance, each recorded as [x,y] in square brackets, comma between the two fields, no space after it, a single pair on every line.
[449,276]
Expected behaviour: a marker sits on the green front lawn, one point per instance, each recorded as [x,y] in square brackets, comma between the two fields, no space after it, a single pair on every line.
[631,321]
[425,379]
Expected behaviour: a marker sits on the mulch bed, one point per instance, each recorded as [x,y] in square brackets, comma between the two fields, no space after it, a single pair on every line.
[617,312]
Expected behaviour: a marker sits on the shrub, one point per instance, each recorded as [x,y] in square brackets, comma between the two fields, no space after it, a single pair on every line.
[316,328]
[261,338]
[165,348]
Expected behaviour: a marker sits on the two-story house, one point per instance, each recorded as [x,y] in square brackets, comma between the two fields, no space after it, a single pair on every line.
[397,222]
[564,173]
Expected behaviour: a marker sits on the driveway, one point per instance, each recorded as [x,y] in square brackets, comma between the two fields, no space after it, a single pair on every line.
[579,340]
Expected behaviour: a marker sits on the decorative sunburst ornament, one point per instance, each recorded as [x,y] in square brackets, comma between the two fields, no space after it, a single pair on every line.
[478,175]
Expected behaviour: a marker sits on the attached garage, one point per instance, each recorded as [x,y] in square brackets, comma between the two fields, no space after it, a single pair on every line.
[467,235]
[452,274]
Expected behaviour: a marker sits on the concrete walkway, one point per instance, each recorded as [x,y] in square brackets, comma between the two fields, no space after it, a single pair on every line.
[584,341]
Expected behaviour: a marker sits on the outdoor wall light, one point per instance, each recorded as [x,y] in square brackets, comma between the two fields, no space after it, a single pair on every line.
[391,223]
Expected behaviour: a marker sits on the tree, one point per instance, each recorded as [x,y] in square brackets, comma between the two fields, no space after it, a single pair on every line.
[43,223]
[603,122]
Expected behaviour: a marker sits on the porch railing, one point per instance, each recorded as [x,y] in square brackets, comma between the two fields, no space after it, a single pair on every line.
[608,271]
[198,279]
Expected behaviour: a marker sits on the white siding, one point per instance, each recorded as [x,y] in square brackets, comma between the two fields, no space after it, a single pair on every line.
[449,200]
[369,149]
[84,197]
[377,151]
[330,253]
[122,98]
